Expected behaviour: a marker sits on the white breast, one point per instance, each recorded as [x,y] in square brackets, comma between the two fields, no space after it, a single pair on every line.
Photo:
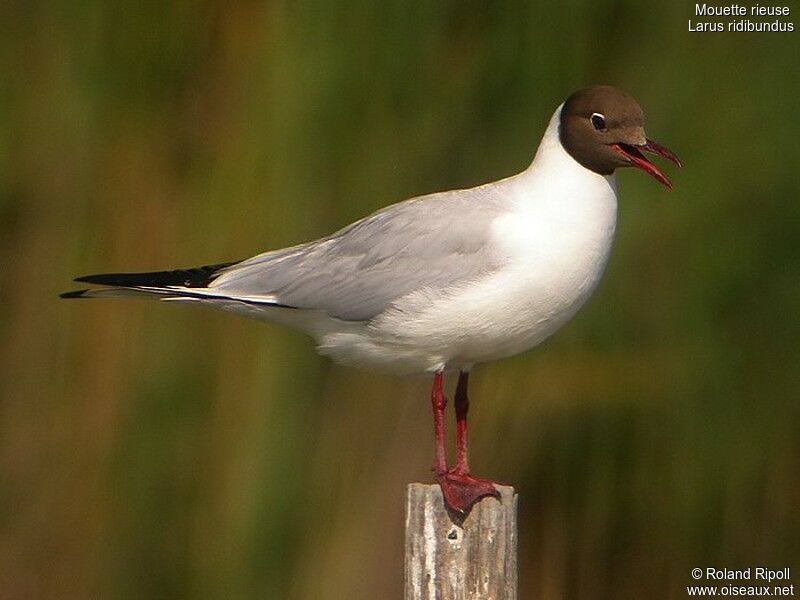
[555,238]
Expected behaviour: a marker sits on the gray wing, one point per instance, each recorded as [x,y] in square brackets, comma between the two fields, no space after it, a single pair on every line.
[435,242]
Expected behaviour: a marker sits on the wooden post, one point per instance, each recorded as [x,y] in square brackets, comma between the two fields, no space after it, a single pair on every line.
[472,560]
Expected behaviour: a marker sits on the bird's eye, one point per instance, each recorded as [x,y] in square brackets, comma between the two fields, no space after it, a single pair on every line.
[598,121]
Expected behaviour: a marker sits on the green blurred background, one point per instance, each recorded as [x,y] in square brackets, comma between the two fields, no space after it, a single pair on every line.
[155,451]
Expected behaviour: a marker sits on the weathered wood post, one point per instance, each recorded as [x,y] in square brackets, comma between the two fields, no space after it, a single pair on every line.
[472,560]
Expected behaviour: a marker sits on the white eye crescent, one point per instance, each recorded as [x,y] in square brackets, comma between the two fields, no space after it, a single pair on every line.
[598,121]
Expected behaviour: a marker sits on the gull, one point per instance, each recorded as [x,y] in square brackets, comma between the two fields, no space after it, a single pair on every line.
[442,282]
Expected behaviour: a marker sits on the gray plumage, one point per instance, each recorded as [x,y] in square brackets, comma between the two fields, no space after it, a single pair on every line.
[437,241]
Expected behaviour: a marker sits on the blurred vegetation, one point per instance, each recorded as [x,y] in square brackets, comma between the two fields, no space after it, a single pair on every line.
[153,451]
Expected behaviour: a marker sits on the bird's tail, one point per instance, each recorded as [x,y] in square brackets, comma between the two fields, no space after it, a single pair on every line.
[166,285]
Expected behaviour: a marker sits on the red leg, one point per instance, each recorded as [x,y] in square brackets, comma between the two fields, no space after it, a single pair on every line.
[459,488]
[439,402]
[462,407]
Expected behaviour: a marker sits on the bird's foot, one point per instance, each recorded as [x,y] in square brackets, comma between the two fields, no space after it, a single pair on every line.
[461,490]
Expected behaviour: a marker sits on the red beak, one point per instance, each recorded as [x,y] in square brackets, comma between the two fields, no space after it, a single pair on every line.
[637,159]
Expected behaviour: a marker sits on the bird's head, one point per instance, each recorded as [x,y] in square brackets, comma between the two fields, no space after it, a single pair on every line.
[603,128]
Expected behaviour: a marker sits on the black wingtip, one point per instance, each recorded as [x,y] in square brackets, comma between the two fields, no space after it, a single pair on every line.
[105,278]
[196,277]
[73,294]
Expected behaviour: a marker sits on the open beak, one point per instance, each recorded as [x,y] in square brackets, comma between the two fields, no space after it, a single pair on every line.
[637,159]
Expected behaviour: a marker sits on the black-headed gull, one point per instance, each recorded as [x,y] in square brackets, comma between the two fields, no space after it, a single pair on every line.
[441,282]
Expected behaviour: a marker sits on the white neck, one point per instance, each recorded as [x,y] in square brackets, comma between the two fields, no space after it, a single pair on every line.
[555,176]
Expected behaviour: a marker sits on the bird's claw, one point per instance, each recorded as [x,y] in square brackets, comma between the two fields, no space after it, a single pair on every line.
[461,490]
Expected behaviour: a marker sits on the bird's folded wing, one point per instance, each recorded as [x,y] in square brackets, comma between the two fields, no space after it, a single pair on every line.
[433,243]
